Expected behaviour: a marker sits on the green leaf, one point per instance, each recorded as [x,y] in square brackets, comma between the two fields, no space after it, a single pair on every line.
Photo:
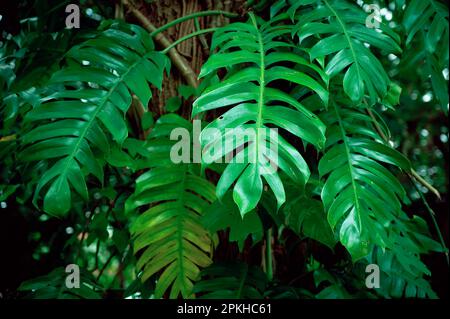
[417,17]
[121,239]
[402,271]
[6,191]
[438,82]
[253,57]
[117,157]
[307,216]
[353,84]
[224,213]
[360,195]
[147,120]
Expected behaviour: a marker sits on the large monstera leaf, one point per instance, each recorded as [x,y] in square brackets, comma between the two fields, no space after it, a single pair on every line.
[224,213]
[430,16]
[251,52]
[70,129]
[169,232]
[231,281]
[341,35]
[306,216]
[402,270]
[361,196]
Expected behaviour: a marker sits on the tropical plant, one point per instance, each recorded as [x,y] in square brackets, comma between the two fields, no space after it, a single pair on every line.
[170,230]
[300,185]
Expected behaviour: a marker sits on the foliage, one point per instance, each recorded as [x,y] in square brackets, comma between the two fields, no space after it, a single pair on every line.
[231,281]
[66,126]
[359,194]
[170,230]
[260,49]
[86,153]
[52,286]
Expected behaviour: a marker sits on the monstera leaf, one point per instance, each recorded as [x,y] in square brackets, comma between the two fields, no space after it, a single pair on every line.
[306,216]
[168,232]
[70,129]
[360,195]
[340,33]
[402,271]
[231,281]
[252,55]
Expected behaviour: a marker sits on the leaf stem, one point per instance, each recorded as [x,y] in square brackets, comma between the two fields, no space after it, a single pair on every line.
[187,37]
[193,16]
